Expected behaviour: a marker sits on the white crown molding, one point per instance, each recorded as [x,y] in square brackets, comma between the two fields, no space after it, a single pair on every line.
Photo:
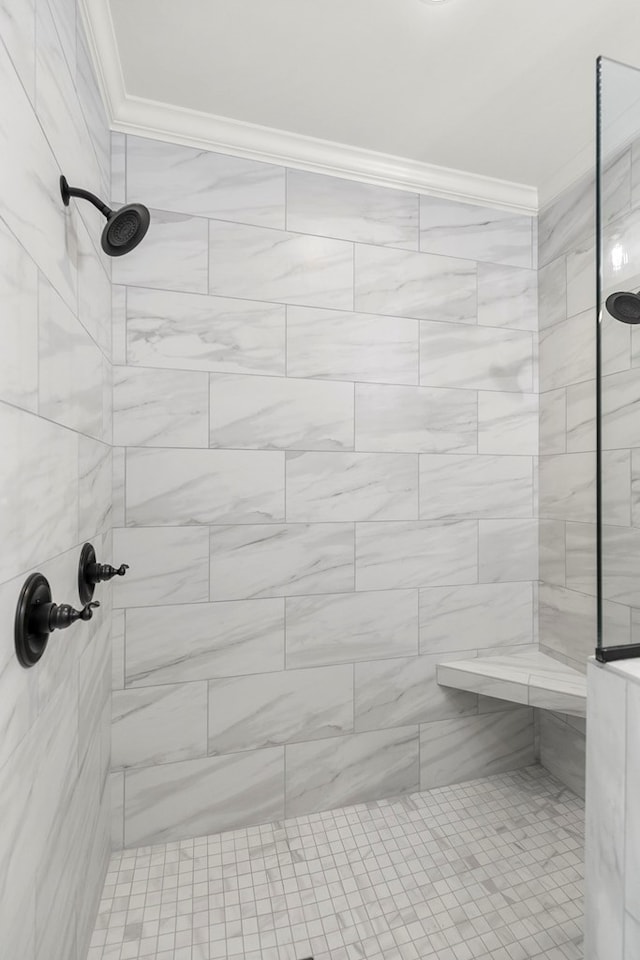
[193,128]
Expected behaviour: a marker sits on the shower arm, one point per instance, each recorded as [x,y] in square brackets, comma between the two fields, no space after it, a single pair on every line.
[68,192]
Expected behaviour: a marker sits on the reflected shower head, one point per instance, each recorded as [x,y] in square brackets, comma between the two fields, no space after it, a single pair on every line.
[624,307]
[124,228]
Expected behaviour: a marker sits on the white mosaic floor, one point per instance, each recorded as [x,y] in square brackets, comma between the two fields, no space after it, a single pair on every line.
[486,870]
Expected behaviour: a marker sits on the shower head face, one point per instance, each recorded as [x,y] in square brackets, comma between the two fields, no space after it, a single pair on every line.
[624,307]
[125,228]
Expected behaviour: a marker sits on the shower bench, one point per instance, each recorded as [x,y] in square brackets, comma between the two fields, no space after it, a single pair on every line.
[529,677]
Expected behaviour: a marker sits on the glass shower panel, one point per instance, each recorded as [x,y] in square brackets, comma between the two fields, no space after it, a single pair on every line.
[618,360]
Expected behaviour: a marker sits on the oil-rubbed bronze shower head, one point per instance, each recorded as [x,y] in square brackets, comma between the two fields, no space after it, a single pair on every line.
[624,307]
[124,228]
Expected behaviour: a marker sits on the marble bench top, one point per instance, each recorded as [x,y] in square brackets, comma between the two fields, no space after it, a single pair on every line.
[529,677]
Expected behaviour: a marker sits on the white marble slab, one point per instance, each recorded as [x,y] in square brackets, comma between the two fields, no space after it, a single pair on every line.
[260,264]
[507,297]
[508,550]
[463,748]
[39,465]
[474,232]
[342,628]
[220,187]
[194,798]
[70,366]
[157,725]
[280,560]
[167,565]
[529,677]
[338,771]
[334,345]
[30,192]
[278,413]
[479,358]
[482,615]
[406,284]
[200,641]
[286,707]
[508,423]
[415,419]
[415,554]
[351,486]
[17,29]
[179,487]
[475,486]
[605,812]
[172,256]
[197,332]
[351,211]
[160,408]
[399,692]
[19,298]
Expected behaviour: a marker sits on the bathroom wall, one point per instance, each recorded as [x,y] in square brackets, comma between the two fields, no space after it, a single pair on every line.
[325,422]
[612,867]
[55,482]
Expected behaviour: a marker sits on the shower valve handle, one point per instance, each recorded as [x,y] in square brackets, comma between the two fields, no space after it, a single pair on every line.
[99,572]
[90,572]
[59,616]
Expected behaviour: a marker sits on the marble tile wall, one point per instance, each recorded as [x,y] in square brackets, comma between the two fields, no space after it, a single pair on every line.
[612,861]
[325,419]
[55,481]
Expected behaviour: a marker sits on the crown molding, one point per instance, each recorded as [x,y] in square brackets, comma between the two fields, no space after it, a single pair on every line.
[162,121]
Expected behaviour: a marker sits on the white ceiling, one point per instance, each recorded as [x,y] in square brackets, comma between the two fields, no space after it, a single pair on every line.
[501,88]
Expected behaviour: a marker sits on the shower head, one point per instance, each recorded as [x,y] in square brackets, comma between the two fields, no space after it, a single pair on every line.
[124,228]
[624,307]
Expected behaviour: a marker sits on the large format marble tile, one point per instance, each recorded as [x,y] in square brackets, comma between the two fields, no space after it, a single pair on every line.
[417,554]
[262,264]
[621,565]
[552,552]
[166,565]
[567,487]
[174,487]
[632,824]
[280,560]
[567,351]
[351,486]
[160,408]
[476,233]
[30,193]
[341,628]
[118,167]
[565,222]
[39,465]
[17,29]
[198,332]
[173,255]
[278,413]
[580,417]
[156,725]
[415,419]
[562,750]
[508,550]
[507,297]
[91,103]
[350,210]
[70,366]
[274,708]
[401,283]
[94,290]
[553,423]
[479,358]
[19,298]
[338,771]
[333,345]
[620,398]
[219,187]
[459,749]
[203,640]
[95,471]
[475,486]
[605,811]
[508,423]
[197,797]
[567,621]
[552,293]
[483,615]
[399,692]
[581,278]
